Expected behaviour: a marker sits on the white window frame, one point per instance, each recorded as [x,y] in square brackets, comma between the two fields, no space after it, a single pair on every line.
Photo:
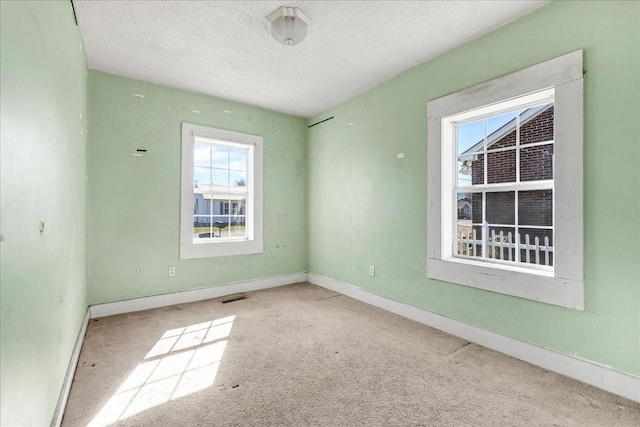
[564,285]
[449,169]
[254,208]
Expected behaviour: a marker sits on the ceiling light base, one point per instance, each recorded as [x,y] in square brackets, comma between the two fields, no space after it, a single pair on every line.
[288,25]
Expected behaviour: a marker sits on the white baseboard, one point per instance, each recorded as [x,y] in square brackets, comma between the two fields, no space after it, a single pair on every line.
[56,421]
[146,303]
[137,304]
[603,377]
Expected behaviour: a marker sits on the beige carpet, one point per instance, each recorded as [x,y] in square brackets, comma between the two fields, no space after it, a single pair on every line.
[301,355]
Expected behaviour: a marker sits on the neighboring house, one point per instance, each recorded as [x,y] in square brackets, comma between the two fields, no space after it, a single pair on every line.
[464,209]
[219,203]
[536,125]
[535,208]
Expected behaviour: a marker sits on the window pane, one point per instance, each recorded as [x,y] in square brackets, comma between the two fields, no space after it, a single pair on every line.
[238,206]
[237,228]
[215,204]
[468,239]
[536,163]
[238,160]
[221,205]
[501,131]
[238,179]
[201,204]
[536,124]
[221,226]
[201,176]
[477,170]
[476,208]
[202,155]
[220,177]
[501,208]
[501,243]
[470,142]
[220,157]
[201,227]
[470,138]
[540,251]
[464,206]
[465,171]
[535,207]
[501,167]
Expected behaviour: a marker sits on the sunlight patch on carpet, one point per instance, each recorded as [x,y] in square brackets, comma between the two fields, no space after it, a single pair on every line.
[191,336]
[184,361]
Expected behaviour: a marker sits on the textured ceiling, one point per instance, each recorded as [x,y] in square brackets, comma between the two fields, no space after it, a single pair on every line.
[223,48]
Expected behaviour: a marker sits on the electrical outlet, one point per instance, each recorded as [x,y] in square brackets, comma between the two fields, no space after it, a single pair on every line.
[372,271]
[172,271]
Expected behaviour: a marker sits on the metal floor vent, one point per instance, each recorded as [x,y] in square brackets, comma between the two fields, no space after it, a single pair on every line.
[233,298]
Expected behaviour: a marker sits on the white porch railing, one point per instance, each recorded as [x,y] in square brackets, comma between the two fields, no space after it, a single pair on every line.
[501,246]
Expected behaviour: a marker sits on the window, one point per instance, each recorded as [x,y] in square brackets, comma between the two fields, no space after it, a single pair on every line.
[221,193]
[504,170]
[505,184]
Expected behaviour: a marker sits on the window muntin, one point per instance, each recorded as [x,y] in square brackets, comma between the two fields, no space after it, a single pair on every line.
[504,165]
[221,211]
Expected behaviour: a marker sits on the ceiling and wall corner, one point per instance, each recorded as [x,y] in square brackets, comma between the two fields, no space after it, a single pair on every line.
[225,48]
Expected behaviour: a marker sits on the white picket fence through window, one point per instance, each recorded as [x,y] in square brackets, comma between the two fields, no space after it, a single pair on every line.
[506,247]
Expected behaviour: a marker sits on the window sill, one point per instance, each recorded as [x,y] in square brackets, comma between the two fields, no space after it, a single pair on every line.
[503,266]
[216,249]
[533,285]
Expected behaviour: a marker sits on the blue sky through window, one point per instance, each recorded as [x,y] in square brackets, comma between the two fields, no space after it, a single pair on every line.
[469,134]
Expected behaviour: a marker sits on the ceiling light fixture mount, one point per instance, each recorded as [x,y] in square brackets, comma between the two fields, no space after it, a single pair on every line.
[288,25]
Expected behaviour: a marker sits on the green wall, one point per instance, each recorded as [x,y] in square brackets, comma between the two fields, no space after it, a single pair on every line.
[333,206]
[43,176]
[378,202]
[134,202]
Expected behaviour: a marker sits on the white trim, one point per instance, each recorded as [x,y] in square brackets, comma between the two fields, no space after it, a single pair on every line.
[554,72]
[512,280]
[56,421]
[566,287]
[600,376]
[145,303]
[507,186]
[511,105]
[164,300]
[252,245]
